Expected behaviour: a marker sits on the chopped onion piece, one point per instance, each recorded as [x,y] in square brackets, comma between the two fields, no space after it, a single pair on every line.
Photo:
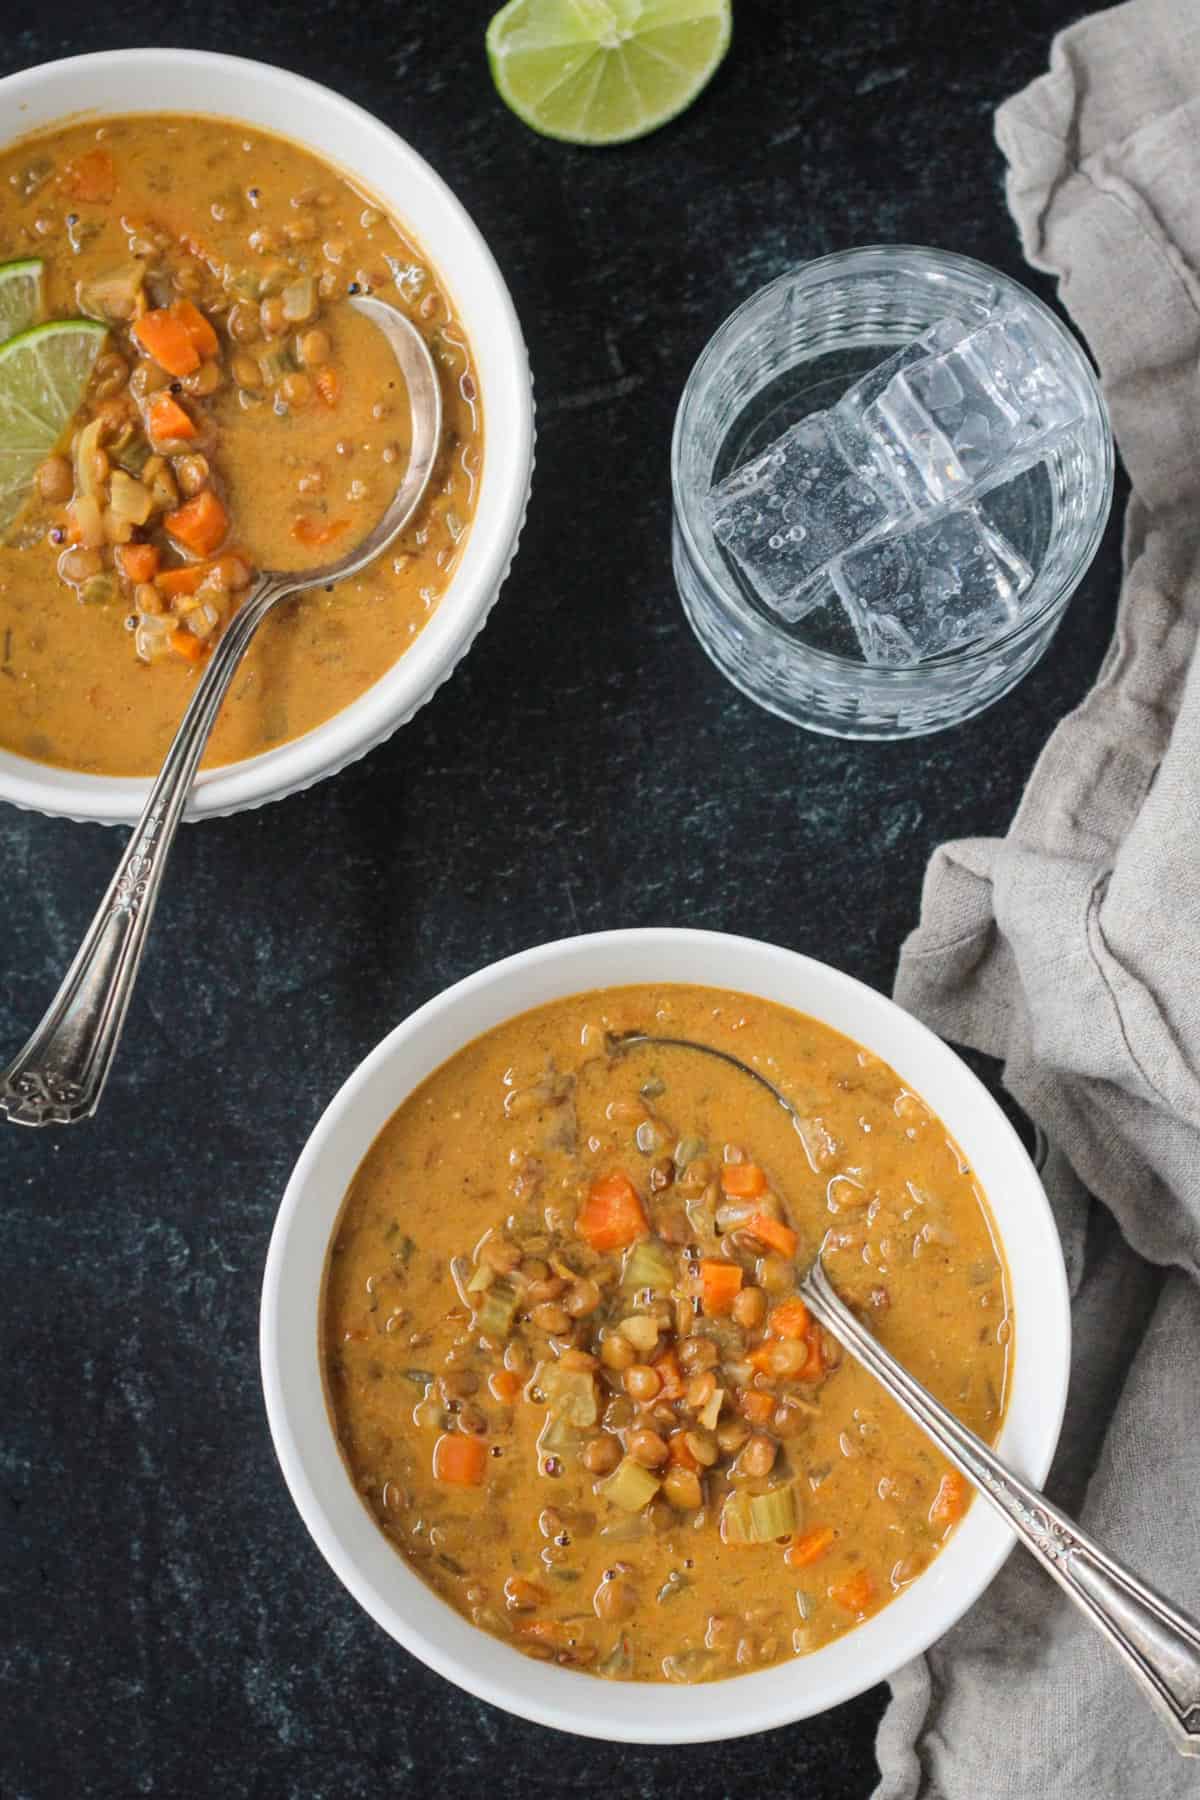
[86,446]
[88,522]
[129,499]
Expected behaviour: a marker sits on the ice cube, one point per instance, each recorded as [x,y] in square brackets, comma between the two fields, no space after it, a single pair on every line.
[783,516]
[917,456]
[848,413]
[1027,372]
[931,588]
[971,414]
[941,336]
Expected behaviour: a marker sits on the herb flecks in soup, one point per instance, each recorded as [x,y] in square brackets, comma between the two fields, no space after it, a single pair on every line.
[569,1369]
[241,415]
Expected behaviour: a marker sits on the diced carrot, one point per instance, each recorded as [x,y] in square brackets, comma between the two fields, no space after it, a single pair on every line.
[547,1631]
[771,1233]
[612,1217]
[678,1451]
[666,1367]
[950,1501]
[199,524]
[197,327]
[762,1360]
[309,530]
[328,385]
[91,177]
[186,644]
[719,1282]
[184,580]
[168,420]
[855,1593]
[809,1546]
[138,562]
[756,1405]
[790,1319]
[522,1595]
[743,1181]
[459,1459]
[504,1385]
[166,338]
[814,1368]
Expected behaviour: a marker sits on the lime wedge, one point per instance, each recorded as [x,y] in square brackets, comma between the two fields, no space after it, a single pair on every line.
[44,375]
[20,296]
[604,71]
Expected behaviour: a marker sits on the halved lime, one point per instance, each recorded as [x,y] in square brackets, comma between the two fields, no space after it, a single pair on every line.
[20,295]
[604,71]
[44,375]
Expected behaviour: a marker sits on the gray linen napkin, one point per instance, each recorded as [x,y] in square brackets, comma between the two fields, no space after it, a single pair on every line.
[1071,950]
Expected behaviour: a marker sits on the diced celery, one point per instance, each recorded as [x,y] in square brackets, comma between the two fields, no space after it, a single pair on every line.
[736,1524]
[618,1664]
[128,498]
[712,1409]
[132,455]
[570,1393]
[275,364]
[773,1514]
[690,1665]
[114,295]
[499,1309]
[99,590]
[626,1528]
[557,1434]
[650,1265]
[687,1150]
[701,1215]
[630,1486]
[481,1279]
[241,283]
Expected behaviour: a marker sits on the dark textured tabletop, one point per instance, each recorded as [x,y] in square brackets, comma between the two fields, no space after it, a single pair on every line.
[166,1625]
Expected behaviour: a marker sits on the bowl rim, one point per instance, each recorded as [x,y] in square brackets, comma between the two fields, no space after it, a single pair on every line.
[570,1701]
[401,690]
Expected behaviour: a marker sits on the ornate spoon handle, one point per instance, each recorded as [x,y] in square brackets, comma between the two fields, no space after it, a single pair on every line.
[60,1074]
[1160,1643]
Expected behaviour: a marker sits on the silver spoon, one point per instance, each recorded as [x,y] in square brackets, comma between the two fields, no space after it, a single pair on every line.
[1160,1643]
[58,1078]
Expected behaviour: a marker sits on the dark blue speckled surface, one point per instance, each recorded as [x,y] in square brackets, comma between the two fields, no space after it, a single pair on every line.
[166,1627]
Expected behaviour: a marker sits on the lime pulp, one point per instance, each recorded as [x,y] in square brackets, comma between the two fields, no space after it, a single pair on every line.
[44,374]
[605,71]
[20,295]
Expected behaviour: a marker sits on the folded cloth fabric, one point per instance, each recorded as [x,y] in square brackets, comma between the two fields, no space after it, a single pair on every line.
[1071,950]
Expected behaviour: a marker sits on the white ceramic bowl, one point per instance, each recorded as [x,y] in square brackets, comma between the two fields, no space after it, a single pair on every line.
[132,81]
[351,1541]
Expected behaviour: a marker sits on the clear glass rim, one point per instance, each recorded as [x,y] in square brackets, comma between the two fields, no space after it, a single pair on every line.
[923,259]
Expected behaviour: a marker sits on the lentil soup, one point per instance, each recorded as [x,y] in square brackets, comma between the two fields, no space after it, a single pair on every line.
[566,1361]
[240,415]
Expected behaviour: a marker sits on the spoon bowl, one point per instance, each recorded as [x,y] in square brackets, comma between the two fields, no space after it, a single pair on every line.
[425,409]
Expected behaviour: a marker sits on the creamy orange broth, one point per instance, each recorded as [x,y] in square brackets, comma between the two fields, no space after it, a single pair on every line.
[227,216]
[538,1437]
